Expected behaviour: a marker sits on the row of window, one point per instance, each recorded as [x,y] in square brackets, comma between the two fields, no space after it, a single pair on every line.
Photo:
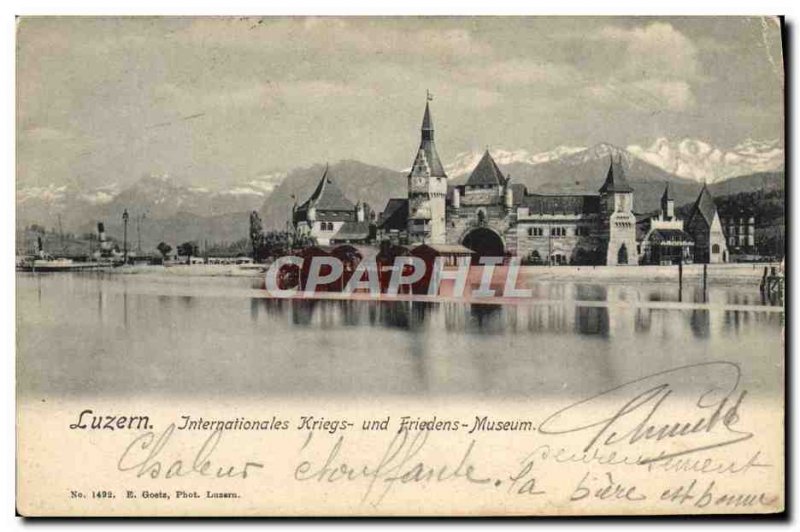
[326,226]
[557,231]
[742,230]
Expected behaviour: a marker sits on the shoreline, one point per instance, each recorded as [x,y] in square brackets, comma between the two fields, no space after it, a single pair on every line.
[731,273]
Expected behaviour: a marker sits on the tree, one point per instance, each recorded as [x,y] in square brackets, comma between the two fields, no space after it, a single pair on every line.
[188,250]
[275,244]
[164,249]
[256,234]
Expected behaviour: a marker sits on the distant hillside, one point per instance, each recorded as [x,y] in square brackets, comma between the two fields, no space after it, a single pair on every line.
[176,213]
[183,227]
[174,230]
[767,205]
[152,196]
[584,172]
[359,181]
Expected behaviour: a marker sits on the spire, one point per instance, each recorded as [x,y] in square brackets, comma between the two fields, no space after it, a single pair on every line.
[427,145]
[427,121]
[615,179]
[666,196]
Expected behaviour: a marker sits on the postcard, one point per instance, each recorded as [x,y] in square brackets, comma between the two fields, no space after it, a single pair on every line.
[410,266]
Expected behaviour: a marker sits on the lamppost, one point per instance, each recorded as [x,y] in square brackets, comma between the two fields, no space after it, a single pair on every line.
[125,237]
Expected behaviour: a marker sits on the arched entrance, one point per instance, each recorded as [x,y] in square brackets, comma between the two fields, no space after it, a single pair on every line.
[484,242]
[622,255]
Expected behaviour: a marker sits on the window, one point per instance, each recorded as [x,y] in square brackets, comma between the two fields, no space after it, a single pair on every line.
[535,231]
[715,248]
[558,231]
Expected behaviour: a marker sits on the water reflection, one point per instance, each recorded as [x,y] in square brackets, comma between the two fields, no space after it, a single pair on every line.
[573,339]
[486,319]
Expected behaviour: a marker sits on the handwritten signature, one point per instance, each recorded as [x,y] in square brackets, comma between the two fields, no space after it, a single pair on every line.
[640,412]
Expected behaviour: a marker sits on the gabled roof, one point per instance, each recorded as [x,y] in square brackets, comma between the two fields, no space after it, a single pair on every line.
[327,197]
[394,215]
[486,173]
[352,231]
[421,166]
[615,179]
[704,207]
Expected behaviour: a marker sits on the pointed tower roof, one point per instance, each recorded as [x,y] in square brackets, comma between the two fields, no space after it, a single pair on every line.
[615,179]
[704,206]
[328,196]
[427,121]
[666,196]
[428,147]
[486,173]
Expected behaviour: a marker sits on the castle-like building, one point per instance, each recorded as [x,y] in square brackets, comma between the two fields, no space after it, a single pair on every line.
[495,217]
[328,216]
[492,216]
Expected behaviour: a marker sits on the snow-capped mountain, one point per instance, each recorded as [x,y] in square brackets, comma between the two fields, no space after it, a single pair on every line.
[687,158]
[465,162]
[700,161]
[564,169]
[156,196]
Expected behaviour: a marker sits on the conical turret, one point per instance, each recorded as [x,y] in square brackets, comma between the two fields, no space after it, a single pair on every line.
[428,147]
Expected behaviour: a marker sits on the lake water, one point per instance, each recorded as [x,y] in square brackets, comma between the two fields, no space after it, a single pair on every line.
[111,335]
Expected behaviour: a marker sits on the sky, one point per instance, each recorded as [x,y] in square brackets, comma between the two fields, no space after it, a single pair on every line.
[213,102]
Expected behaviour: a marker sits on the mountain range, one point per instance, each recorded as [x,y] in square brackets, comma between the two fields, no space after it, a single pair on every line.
[691,159]
[174,212]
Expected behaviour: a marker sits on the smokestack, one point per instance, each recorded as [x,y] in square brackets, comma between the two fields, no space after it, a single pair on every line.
[101,231]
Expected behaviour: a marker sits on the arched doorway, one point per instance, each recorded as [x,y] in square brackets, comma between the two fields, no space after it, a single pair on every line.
[484,242]
[622,255]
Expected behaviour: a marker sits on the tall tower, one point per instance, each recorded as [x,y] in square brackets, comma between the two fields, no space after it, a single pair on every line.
[616,197]
[427,188]
[667,204]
